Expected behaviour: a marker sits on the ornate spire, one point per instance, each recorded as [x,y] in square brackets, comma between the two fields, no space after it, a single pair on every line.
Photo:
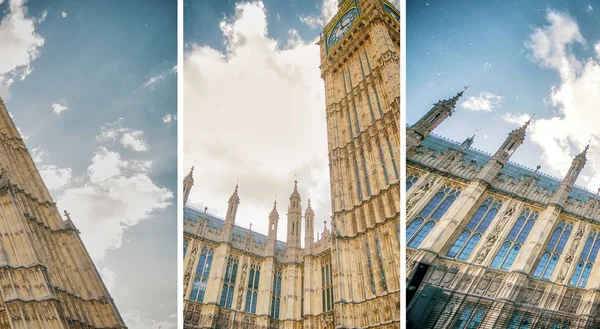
[309,209]
[583,153]
[467,143]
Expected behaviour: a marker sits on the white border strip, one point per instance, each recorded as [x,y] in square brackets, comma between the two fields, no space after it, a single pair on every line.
[402,163]
[180,172]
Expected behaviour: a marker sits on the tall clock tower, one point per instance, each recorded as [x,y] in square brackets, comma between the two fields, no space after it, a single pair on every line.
[360,64]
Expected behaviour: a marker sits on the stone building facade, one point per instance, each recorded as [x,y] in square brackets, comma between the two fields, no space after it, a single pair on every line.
[47,278]
[349,276]
[492,244]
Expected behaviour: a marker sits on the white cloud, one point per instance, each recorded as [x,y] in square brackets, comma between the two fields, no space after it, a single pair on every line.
[54,177]
[576,96]
[153,80]
[516,119]
[135,140]
[551,44]
[60,106]
[590,8]
[486,101]
[135,321]
[63,14]
[36,154]
[328,9]
[108,276]
[169,118]
[128,137]
[20,45]
[114,194]
[256,86]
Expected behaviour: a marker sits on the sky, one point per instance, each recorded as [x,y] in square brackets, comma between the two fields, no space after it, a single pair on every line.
[92,88]
[254,107]
[521,58]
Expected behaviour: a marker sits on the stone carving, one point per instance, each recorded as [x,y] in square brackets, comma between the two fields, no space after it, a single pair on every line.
[418,194]
[242,285]
[188,270]
[571,254]
[493,237]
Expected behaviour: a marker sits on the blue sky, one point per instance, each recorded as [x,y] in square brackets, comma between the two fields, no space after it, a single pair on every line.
[520,58]
[92,87]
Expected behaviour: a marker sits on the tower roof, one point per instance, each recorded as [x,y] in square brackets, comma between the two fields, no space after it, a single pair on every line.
[190,176]
[309,209]
[274,212]
[295,193]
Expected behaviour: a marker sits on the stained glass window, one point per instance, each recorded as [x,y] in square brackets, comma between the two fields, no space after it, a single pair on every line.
[471,317]
[420,227]
[252,292]
[201,277]
[479,223]
[554,249]
[586,260]
[515,239]
[276,298]
[411,179]
[229,283]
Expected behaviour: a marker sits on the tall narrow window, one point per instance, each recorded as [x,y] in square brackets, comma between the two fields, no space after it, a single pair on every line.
[367,58]
[471,317]
[185,245]
[276,298]
[229,283]
[411,178]
[377,99]
[327,290]
[515,239]
[202,272]
[370,265]
[435,117]
[358,187]
[366,175]
[350,125]
[420,227]
[252,292]
[380,260]
[554,249]
[344,79]
[361,65]
[385,173]
[586,260]
[520,320]
[392,157]
[370,106]
[350,77]
[356,117]
[468,239]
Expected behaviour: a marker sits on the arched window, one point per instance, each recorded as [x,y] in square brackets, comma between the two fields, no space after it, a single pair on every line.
[479,223]
[471,317]
[229,282]
[586,260]
[411,179]
[515,239]
[202,272]
[276,298]
[252,292]
[520,320]
[554,249]
[418,229]
[380,260]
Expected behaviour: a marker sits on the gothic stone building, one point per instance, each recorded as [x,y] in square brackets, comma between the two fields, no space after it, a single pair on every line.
[47,278]
[349,277]
[492,244]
